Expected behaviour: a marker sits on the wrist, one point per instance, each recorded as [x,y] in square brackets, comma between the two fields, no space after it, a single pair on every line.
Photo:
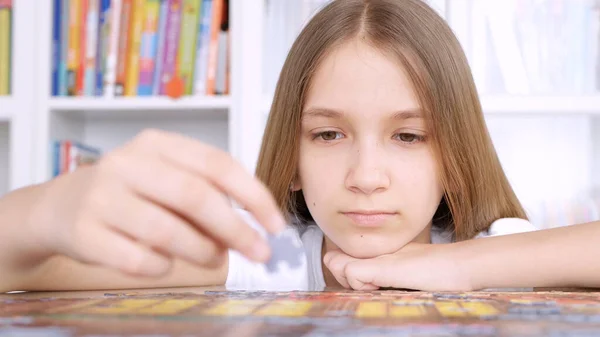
[40,221]
[464,259]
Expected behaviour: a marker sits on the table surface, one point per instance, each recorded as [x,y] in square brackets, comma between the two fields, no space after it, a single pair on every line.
[214,311]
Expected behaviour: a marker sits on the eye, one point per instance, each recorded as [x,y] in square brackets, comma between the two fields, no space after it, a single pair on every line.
[410,137]
[328,135]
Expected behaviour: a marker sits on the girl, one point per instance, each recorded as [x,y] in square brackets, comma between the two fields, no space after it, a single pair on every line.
[376,147]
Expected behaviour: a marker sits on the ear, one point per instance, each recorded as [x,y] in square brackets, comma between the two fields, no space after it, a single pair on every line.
[295,185]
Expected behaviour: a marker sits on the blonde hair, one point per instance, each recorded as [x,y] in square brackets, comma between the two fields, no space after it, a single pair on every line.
[476,190]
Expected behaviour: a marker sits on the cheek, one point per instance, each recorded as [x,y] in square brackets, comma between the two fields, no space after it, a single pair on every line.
[320,178]
[420,182]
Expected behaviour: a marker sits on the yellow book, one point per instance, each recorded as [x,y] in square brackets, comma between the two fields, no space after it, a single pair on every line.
[4,51]
[187,42]
[133,50]
[73,53]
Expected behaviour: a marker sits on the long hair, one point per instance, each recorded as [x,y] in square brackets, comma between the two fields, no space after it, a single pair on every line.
[476,190]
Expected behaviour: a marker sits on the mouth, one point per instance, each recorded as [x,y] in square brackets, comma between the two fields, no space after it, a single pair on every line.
[369,218]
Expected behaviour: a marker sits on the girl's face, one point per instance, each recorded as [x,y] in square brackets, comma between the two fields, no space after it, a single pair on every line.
[366,168]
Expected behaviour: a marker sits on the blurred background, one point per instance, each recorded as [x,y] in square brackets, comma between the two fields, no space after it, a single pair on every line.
[81,77]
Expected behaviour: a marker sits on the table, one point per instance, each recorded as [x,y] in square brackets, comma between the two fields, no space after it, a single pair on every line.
[217,312]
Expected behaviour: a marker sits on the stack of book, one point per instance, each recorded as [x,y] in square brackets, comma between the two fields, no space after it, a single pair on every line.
[140,47]
[68,155]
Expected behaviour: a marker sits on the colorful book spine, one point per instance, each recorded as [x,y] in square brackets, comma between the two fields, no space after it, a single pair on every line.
[148,48]
[74,46]
[123,44]
[5,46]
[213,47]
[221,85]
[222,63]
[138,47]
[102,45]
[187,49]
[68,155]
[56,27]
[135,40]
[64,49]
[162,25]
[55,148]
[171,43]
[110,73]
[92,29]
[80,79]
[201,68]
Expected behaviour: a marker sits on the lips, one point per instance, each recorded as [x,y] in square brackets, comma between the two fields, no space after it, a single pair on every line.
[369,218]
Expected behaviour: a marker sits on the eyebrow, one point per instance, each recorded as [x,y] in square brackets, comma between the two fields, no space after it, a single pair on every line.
[329,113]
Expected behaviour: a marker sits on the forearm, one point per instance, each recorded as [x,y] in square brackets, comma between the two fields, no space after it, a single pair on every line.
[20,248]
[559,257]
[29,259]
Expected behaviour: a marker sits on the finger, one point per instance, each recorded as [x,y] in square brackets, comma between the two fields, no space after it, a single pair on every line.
[336,262]
[368,274]
[159,228]
[193,198]
[99,245]
[221,170]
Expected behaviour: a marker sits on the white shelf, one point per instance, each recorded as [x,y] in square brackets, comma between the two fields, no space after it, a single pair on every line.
[541,105]
[138,103]
[136,107]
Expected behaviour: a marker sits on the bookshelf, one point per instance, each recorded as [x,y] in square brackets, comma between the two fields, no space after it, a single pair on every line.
[548,138]
[225,121]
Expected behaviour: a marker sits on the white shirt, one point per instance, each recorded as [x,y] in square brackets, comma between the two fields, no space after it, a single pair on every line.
[244,274]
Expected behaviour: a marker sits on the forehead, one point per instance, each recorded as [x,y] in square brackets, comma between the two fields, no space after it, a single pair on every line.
[356,77]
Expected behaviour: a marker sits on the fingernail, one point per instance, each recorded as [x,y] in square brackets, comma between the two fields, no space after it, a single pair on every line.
[260,251]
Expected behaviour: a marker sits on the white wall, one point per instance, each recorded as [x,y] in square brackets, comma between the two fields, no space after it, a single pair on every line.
[548,162]
[596,155]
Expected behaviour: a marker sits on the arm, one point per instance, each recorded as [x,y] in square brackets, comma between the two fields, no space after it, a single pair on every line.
[558,257]
[153,213]
[27,263]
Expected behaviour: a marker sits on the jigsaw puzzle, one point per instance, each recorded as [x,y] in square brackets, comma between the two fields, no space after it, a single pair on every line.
[307,314]
[285,249]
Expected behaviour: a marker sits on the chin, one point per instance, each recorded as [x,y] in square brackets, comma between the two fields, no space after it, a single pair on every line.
[367,247]
[368,251]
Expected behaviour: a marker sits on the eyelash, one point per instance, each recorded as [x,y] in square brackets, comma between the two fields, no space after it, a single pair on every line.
[417,138]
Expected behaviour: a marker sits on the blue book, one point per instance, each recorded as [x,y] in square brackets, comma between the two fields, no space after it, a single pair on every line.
[64,50]
[102,45]
[56,43]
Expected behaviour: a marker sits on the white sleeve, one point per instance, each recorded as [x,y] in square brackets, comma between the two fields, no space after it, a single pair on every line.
[508,226]
[244,274]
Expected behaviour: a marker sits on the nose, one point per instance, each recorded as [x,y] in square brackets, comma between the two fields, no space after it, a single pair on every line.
[368,174]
